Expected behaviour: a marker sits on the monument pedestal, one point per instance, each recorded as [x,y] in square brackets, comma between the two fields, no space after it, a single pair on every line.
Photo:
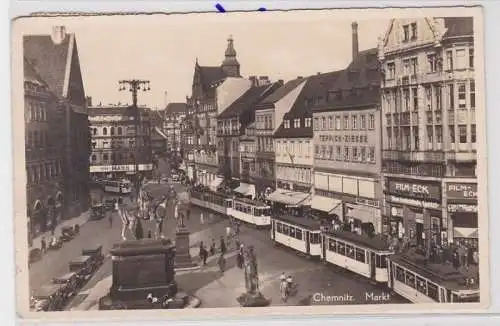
[183,259]
[253,300]
[141,267]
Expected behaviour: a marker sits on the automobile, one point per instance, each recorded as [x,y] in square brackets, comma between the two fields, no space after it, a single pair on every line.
[109,204]
[67,233]
[175,177]
[96,254]
[97,212]
[83,266]
[70,281]
[49,297]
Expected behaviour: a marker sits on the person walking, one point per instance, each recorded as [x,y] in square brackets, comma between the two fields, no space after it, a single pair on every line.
[212,247]
[239,258]
[202,219]
[283,288]
[222,263]
[223,247]
[43,244]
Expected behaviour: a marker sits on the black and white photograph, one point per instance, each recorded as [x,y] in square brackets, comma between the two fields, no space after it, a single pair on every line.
[276,162]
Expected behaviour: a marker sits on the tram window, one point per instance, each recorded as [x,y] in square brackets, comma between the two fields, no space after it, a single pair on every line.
[314,238]
[228,203]
[432,291]
[349,250]
[421,285]
[298,234]
[279,227]
[360,255]
[341,248]
[400,274]
[266,212]
[381,261]
[410,279]
[332,245]
[285,229]
[292,232]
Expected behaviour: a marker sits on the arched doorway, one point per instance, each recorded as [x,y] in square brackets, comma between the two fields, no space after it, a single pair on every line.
[59,206]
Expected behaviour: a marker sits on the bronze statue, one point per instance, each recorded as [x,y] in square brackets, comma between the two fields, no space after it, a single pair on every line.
[251,271]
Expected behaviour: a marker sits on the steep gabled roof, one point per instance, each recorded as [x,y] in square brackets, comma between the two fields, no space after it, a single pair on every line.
[31,75]
[289,86]
[458,26]
[211,75]
[175,108]
[50,59]
[316,88]
[247,101]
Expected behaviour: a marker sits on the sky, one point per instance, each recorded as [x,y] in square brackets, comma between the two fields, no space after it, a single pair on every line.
[164,48]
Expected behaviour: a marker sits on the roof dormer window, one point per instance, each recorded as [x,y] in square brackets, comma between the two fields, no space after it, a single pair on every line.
[296,123]
[286,124]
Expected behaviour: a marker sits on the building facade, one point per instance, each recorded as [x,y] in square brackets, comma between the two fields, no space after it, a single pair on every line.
[429,129]
[173,116]
[268,117]
[248,150]
[121,147]
[44,148]
[159,141]
[56,61]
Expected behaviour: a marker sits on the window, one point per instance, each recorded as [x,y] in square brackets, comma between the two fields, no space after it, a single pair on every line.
[354,122]
[406,67]
[362,154]
[461,59]
[346,122]
[104,131]
[308,122]
[439,134]
[451,130]
[296,123]
[462,134]
[414,66]
[363,122]
[339,153]
[432,63]
[371,122]
[112,131]
[346,153]
[119,130]
[414,31]
[472,95]
[360,255]
[430,136]
[471,58]
[473,133]
[461,96]
[355,153]
[323,123]
[439,102]
[286,124]
[428,97]
[316,123]
[415,98]
[406,33]
[337,123]
[330,123]
[451,94]
[372,154]
[406,96]
[105,157]
[449,60]
[391,70]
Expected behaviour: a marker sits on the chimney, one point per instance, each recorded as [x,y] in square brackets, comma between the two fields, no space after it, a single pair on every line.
[355,45]
[299,77]
[88,101]
[281,81]
[165,98]
[254,80]
[264,80]
[58,34]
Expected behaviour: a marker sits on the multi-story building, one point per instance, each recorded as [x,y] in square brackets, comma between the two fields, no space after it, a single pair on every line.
[120,146]
[429,128]
[268,117]
[248,150]
[231,124]
[56,62]
[44,145]
[172,118]
[158,141]
[294,144]
[200,130]
[347,143]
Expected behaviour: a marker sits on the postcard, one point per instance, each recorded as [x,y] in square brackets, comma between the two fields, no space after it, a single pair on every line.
[250,163]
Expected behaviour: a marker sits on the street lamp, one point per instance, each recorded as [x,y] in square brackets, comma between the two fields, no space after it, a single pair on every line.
[134,86]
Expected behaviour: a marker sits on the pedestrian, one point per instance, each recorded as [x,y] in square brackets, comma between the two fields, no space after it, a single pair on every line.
[210,217]
[110,218]
[223,247]
[43,244]
[222,263]
[239,257]
[212,247]
[202,220]
[150,235]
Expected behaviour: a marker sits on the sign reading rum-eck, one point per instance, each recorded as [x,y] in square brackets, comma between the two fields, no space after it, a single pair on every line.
[359,187]
[415,189]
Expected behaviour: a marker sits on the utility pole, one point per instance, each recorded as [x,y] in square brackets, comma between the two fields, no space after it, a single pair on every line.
[134,86]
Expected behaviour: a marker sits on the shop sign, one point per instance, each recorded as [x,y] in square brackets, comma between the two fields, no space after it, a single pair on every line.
[461,190]
[119,168]
[453,208]
[414,202]
[420,190]
[396,211]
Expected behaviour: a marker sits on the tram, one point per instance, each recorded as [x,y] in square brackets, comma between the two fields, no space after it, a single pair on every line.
[422,282]
[359,254]
[213,201]
[299,233]
[251,211]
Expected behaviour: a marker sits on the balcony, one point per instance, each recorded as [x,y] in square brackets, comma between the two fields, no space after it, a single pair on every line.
[461,156]
[392,155]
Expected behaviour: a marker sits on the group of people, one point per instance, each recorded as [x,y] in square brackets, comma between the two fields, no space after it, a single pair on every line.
[286,286]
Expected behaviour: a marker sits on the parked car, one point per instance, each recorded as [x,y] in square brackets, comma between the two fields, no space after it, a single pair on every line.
[49,297]
[71,283]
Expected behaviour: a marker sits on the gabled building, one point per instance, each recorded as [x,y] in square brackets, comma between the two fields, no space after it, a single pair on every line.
[429,129]
[201,122]
[347,158]
[173,116]
[231,124]
[268,117]
[56,61]
[294,143]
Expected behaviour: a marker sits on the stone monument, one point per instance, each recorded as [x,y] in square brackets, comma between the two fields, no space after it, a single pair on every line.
[140,268]
[183,259]
[252,297]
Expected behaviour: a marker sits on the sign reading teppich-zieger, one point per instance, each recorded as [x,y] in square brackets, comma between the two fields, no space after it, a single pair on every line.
[415,189]
[461,190]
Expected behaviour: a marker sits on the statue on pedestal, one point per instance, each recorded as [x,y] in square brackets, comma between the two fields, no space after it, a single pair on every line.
[252,297]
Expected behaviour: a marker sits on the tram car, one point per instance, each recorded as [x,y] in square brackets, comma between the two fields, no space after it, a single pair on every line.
[360,254]
[213,201]
[251,211]
[421,282]
[299,233]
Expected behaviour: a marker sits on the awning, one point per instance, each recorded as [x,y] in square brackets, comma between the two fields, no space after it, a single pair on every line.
[470,233]
[288,197]
[325,204]
[246,189]
[215,183]
[364,214]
